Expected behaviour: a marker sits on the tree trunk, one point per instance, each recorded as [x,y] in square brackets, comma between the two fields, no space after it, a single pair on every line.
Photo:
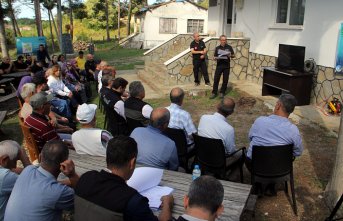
[334,189]
[71,19]
[107,25]
[11,14]
[52,35]
[17,27]
[38,18]
[55,27]
[118,20]
[4,49]
[129,18]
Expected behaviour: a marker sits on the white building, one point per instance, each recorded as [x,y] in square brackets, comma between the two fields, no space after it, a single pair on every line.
[160,22]
[311,23]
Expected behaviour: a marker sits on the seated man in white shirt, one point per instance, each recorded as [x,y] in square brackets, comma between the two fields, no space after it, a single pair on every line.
[89,140]
[216,126]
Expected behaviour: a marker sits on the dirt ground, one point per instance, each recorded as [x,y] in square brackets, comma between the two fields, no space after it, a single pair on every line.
[311,170]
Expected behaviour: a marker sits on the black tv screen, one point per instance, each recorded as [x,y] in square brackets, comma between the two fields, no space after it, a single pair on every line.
[291,57]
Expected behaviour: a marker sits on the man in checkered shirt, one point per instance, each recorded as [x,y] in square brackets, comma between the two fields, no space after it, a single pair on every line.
[179,118]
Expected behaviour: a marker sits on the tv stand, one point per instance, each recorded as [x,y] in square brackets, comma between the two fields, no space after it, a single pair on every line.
[278,81]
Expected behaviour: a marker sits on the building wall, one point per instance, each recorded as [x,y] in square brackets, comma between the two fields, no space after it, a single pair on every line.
[180,10]
[319,35]
[180,71]
[215,19]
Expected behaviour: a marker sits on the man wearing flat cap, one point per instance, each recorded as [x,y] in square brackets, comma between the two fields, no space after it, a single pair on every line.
[89,140]
[38,122]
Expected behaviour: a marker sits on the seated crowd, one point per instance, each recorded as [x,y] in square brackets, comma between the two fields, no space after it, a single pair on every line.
[54,99]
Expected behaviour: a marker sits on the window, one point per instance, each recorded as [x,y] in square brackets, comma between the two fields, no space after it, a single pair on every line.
[290,12]
[168,25]
[195,25]
[212,3]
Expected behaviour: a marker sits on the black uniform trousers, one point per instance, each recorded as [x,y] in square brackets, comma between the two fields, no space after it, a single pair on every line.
[219,71]
[200,64]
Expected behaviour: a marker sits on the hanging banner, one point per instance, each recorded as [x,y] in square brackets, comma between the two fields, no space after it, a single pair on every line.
[339,56]
[29,45]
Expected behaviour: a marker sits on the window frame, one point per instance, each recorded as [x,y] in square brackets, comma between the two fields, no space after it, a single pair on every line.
[286,25]
[171,32]
[198,25]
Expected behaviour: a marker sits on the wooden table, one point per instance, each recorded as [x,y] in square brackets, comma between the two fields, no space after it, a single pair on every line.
[16,75]
[235,194]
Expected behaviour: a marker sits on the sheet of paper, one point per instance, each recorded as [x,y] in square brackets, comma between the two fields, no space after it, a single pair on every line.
[144,178]
[154,195]
[221,58]
[222,53]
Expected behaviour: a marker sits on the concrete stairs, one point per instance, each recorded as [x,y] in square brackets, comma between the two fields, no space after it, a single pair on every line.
[156,76]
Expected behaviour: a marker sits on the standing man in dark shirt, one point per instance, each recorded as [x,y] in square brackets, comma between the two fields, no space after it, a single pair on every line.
[108,187]
[90,67]
[222,54]
[42,55]
[198,49]
[19,65]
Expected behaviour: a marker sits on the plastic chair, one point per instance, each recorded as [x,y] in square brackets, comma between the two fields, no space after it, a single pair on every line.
[179,137]
[210,154]
[335,210]
[88,211]
[273,164]
[30,142]
[132,124]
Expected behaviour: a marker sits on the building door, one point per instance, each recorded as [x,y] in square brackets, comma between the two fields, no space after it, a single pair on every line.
[229,17]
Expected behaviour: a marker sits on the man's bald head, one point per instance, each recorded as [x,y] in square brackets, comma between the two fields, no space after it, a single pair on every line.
[159,118]
[226,106]
[89,57]
[177,95]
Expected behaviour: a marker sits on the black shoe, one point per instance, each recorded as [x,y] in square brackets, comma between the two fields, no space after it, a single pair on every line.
[221,95]
[196,84]
[213,96]
[208,84]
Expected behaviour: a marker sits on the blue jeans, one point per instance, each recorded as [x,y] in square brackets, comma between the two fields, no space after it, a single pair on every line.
[61,107]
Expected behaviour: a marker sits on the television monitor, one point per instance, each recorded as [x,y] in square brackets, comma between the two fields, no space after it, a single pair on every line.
[291,57]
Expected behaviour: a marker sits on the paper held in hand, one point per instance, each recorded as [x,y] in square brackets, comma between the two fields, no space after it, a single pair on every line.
[223,54]
[145,180]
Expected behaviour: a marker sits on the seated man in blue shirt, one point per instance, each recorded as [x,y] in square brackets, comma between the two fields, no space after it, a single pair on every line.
[154,148]
[204,199]
[37,195]
[276,129]
[10,152]
[108,187]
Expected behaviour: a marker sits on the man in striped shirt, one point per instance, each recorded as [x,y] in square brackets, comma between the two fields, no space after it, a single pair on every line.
[39,124]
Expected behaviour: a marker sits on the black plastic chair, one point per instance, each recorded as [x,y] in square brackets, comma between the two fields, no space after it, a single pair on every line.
[335,210]
[132,124]
[88,211]
[179,137]
[210,154]
[273,164]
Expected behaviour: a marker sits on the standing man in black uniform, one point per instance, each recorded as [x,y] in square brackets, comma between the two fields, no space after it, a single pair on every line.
[222,55]
[198,49]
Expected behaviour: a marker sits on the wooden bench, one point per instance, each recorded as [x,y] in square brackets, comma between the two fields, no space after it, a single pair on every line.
[6,80]
[2,118]
[7,97]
